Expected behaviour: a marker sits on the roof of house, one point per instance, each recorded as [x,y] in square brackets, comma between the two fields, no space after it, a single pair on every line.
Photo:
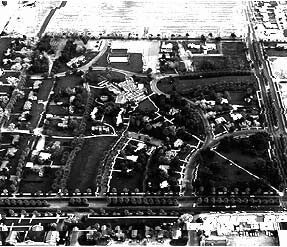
[121,51]
[118,59]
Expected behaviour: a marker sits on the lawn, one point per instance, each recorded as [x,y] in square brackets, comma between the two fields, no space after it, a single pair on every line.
[4,77]
[235,53]
[32,183]
[276,53]
[132,182]
[68,81]
[237,97]
[96,76]
[58,110]
[85,166]
[35,112]
[5,89]
[185,85]
[135,63]
[147,105]
[45,89]
[4,45]
[103,60]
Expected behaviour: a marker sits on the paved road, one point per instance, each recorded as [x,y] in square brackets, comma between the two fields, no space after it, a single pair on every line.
[270,96]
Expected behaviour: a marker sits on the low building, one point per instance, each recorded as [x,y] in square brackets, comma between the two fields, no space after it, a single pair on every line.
[166,47]
[118,58]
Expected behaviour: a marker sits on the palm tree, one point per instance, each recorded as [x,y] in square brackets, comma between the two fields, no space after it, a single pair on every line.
[212,200]
[225,190]
[225,200]
[206,200]
[236,190]
[114,190]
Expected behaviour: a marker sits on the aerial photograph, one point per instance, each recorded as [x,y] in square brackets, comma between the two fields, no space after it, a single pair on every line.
[143,123]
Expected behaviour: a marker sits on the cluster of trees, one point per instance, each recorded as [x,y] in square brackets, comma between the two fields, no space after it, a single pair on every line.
[210,92]
[19,169]
[23,203]
[39,61]
[62,174]
[142,201]
[105,165]
[125,212]
[156,176]
[237,201]
[256,145]
[82,202]
[187,116]
[16,94]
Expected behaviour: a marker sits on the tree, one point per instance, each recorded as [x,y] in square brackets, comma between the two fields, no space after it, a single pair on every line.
[212,200]
[233,35]
[203,38]
[77,191]
[199,200]
[137,190]
[201,189]
[125,190]
[247,190]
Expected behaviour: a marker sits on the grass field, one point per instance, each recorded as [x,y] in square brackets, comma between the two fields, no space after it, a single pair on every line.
[4,45]
[85,167]
[185,85]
